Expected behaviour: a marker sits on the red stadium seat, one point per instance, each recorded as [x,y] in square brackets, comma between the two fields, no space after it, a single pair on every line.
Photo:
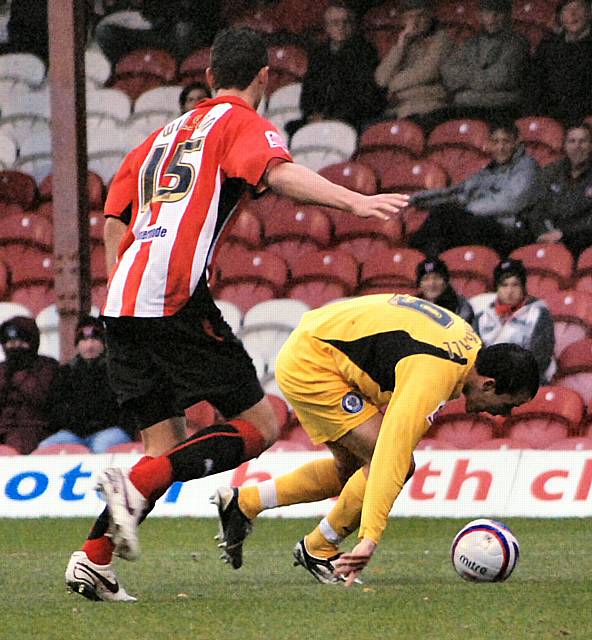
[193,68]
[381,26]
[542,136]
[464,133]
[4,281]
[549,267]
[98,295]
[465,432]
[257,267]
[458,163]
[290,221]
[26,227]
[348,227]
[147,62]
[575,443]
[537,433]
[301,16]
[6,450]
[393,268]
[458,11]
[552,403]
[135,86]
[200,415]
[245,228]
[35,297]
[539,12]
[18,188]
[391,134]
[61,449]
[245,294]
[96,226]
[409,175]
[96,189]
[287,64]
[379,159]
[330,266]
[502,444]
[352,175]
[572,316]
[471,268]
[429,444]
[127,447]
[98,265]
[583,275]
[575,368]
[263,19]
[28,264]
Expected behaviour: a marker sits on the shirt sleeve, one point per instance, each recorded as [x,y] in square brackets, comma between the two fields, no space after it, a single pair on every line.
[254,144]
[424,383]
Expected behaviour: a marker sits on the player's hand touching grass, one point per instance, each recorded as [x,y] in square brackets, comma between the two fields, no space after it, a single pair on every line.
[350,565]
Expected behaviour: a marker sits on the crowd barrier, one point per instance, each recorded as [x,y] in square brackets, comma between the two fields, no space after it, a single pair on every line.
[446,484]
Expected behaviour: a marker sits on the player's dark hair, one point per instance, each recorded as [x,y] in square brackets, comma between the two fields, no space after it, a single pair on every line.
[513,368]
[237,55]
[189,88]
[582,125]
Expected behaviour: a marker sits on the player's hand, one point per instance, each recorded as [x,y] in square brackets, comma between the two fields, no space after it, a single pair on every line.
[381,206]
[350,565]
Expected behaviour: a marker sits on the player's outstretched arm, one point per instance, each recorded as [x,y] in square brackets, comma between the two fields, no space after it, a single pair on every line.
[299,182]
[350,565]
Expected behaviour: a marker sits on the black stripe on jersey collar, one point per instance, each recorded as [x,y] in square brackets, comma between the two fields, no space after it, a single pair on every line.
[377,355]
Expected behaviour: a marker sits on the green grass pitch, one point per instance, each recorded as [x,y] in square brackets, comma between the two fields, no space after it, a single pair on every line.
[186,593]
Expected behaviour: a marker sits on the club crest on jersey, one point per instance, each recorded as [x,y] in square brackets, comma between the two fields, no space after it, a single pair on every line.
[352,402]
[274,140]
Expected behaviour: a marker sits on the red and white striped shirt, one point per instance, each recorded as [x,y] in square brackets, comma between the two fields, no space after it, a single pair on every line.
[175,182]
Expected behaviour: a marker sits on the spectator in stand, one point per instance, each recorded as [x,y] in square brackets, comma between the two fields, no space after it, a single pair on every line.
[486,74]
[192,94]
[565,213]
[410,71]
[339,83]
[84,406]
[514,316]
[433,282]
[27,28]
[561,78]
[492,207]
[26,382]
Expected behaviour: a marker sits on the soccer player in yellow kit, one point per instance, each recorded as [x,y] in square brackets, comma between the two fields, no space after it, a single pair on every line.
[337,368]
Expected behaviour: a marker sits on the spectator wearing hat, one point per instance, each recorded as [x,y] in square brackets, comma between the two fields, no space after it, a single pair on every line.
[84,406]
[514,316]
[410,71]
[433,282]
[485,75]
[565,212]
[26,382]
[561,77]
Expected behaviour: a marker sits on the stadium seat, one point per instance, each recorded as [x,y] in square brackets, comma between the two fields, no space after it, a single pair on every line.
[503,444]
[575,368]
[572,316]
[551,403]
[23,67]
[459,163]
[28,264]
[549,267]
[393,268]
[61,449]
[98,295]
[26,227]
[98,265]
[320,144]
[536,433]
[109,102]
[290,222]
[8,150]
[381,26]
[287,64]
[364,236]
[259,267]
[407,175]
[352,175]
[33,106]
[6,450]
[159,99]
[106,163]
[540,12]
[193,67]
[583,274]
[96,226]
[97,67]
[573,443]
[231,314]
[429,444]
[471,268]
[10,309]
[465,133]
[148,62]
[391,135]
[127,447]
[465,431]
[48,322]
[245,228]
[284,105]
[462,12]
[199,415]
[18,188]
[543,137]
[262,19]
[301,16]
[96,190]
[34,296]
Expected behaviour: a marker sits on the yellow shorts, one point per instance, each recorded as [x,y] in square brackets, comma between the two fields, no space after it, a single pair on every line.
[327,406]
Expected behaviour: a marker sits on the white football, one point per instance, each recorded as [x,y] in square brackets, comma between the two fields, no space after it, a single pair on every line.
[485,551]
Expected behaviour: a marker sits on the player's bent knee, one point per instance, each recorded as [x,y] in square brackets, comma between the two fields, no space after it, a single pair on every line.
[263,417]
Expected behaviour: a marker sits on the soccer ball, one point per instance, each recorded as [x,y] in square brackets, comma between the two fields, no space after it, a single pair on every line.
[485,551]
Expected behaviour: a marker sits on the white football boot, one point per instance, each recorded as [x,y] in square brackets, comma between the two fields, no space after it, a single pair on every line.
[94,581]
[126,505]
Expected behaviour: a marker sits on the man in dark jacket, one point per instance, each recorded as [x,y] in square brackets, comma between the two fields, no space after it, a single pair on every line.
[84,407]
[26,380]
[339,83]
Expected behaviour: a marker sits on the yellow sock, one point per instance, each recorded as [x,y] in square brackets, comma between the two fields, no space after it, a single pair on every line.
[314,481]
[343,519]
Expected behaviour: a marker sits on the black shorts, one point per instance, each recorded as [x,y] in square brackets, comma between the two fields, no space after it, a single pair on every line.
[160,366]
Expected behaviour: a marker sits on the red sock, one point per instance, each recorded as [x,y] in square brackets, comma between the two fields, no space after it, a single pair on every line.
[99,550]
[153,477]
[253,440]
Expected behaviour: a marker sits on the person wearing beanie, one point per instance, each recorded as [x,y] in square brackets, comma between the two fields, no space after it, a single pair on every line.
[486,74]
[84,406]
[26,381]
[433,282]
[410,71]
[516,317]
